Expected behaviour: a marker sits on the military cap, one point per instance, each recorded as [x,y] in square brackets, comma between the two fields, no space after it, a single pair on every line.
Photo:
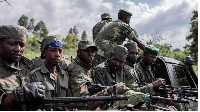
[49,39]
[13,32]
[105,15]
[123,11]
[84,44]
[151,49]
[131,45]
[120,50]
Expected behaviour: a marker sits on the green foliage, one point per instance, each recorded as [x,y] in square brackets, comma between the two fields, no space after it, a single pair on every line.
[41,29]
[193,36]
[31,25]
[84,35]
[23,21]
[70,41]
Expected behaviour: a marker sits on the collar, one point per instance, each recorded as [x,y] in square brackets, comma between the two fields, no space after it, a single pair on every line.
[46,71]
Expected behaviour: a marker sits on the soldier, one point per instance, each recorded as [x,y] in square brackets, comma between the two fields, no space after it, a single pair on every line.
[15,93]
[80,74]
[145,71]
[38,61]
[54,78]
[114,34]
[105,18]
[130,63]
[113,68]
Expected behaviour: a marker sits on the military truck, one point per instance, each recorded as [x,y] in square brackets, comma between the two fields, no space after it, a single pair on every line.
[180,75]
[175,72]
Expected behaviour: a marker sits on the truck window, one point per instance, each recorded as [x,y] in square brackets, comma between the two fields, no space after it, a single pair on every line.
[181,75]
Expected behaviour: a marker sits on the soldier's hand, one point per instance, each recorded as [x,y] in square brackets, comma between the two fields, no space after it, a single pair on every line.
[29,92]
[159,82]
[120,87]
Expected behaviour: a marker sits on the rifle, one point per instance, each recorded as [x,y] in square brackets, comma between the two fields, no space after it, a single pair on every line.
[183,92]
[76,102]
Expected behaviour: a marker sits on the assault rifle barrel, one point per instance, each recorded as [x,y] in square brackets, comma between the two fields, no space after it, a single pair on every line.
[83,99]
[168,99]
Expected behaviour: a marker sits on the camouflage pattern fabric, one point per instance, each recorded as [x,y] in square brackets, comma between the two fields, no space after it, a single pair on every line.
[146,77]
[132,78]
[55,86]
[13,32]
[11,76]
[80,77]
[97,28]
[104,76]
[38,61]
[111,35]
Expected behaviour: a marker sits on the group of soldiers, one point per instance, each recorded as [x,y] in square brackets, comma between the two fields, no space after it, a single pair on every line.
[98,63]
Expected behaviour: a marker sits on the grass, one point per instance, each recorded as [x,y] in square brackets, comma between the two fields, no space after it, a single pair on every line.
[30,54]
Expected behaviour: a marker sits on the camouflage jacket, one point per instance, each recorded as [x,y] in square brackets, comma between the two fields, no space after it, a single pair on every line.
[37,62]
[104,76]
[12,76]
[133,78]
[80,78]
[146,77]
[97,28]
[111,35]
[55,86]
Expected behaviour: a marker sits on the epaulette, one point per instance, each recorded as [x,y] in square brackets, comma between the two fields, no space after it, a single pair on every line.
[127,26]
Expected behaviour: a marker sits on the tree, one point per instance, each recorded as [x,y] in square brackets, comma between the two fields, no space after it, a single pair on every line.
[176,50]
[84,35]
[41,29]
[69,41]
[75,30]
[71,31]
[31,25]
[193,48]
[23,21]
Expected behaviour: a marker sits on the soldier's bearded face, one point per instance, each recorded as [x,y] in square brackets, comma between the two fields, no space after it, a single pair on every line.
[53,55]
[116,63]
[12,49]
[132,55]
[150,59]
[87,55]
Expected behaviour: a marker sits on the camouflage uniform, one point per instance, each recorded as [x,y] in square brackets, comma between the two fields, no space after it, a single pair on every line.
[81,77]
[104,76]
[55,86]
[145,73]
[97,28]
[133,78]
[12,76]
[113,34]
[146,77]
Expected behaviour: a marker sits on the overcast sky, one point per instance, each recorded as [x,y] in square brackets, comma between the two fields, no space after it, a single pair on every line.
[171,18]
